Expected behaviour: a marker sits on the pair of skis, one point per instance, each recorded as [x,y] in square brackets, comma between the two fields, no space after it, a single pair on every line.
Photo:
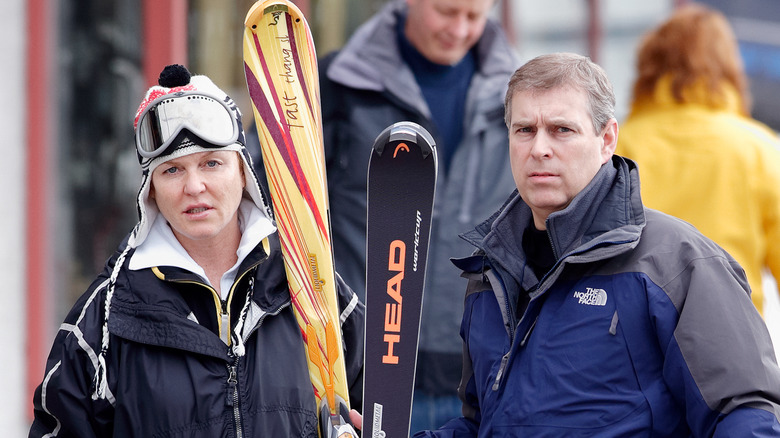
[282,78]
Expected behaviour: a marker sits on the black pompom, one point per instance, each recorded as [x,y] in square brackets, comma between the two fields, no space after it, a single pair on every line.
[174,75]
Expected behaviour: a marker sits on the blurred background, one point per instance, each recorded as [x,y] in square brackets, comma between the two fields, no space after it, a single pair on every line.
[75,71]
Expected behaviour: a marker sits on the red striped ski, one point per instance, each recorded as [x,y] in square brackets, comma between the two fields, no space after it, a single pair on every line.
[280,64]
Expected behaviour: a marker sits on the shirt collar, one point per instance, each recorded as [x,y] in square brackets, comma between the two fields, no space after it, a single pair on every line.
[161,248]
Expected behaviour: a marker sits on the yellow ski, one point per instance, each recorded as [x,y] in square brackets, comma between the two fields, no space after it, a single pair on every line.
[281,73]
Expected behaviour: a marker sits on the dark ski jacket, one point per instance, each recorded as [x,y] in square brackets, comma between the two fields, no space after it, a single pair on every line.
[643,328]
[170,374]
[366,87]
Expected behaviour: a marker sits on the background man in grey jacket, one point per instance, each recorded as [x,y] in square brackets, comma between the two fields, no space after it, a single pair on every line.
[445,66]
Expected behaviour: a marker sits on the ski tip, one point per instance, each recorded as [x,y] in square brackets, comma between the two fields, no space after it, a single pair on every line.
[262,7]
[409,132]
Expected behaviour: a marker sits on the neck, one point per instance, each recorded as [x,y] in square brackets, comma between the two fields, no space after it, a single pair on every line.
[540,221]
[215,255]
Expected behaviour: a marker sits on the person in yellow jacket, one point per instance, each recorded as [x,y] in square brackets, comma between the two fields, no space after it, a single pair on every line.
[701,156]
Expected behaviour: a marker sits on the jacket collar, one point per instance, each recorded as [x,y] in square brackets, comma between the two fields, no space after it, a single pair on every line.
[695,94]
[151,313]
[603,220]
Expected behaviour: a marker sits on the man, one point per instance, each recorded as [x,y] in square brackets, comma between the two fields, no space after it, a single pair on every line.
[590,315]
[445,66]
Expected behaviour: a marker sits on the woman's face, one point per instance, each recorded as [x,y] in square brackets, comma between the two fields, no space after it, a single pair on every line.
[199,194]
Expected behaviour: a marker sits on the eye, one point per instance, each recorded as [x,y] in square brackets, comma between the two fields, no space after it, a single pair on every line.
[170,170]
[475,16]
[447,12]
[212,163]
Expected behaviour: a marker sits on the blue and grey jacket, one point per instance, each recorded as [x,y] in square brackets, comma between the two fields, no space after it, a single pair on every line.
[643,327]
[366,87]
[169,372]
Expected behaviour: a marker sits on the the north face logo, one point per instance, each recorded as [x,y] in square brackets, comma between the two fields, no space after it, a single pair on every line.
[592,297]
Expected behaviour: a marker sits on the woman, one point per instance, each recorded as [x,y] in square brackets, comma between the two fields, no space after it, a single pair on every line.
[701,157]
[189,330]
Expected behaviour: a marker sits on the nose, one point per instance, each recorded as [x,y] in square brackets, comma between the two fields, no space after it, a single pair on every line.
[194,183]
[541,147]
[459,27]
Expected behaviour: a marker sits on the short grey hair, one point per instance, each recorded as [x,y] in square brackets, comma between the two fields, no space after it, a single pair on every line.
[555,70]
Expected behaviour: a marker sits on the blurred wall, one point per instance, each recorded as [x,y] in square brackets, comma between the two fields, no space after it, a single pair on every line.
[13,422]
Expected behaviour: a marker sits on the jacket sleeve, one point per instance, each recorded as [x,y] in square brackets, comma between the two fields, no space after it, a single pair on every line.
[62,403]
[719,362]
[353,317]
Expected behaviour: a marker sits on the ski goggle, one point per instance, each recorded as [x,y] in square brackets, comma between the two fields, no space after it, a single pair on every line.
[205,116]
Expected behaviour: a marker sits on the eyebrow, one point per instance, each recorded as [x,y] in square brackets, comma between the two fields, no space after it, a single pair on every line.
[522,121]
[549,121]
[562,121]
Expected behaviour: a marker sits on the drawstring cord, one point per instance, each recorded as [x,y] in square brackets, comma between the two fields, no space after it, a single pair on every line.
[101,373]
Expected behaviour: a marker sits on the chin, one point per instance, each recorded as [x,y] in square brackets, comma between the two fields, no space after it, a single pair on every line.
[198,235]
[447,57]
[452,60]
[547,204]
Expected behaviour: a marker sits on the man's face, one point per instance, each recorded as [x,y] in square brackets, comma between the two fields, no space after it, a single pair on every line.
[554,151]
[445,30]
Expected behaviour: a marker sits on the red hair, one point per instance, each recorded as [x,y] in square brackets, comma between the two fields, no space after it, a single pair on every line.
[696,45]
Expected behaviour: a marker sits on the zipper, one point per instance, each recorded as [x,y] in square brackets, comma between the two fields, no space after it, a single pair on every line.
[513,332]
[222,306]
[233,398]
[500,374]
[224,325]
[528,332]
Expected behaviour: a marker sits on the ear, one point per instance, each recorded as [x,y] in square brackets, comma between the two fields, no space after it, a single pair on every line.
[241,167]
[609,138]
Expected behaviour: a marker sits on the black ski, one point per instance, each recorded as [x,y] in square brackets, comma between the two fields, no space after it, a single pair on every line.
[401,184]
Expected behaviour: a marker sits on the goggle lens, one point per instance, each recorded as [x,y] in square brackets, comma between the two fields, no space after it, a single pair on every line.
[208,118]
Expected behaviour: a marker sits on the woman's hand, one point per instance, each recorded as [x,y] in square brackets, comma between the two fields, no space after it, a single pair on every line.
[356,419]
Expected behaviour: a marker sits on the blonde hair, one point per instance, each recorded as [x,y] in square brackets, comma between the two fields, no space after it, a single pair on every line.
[696,45]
